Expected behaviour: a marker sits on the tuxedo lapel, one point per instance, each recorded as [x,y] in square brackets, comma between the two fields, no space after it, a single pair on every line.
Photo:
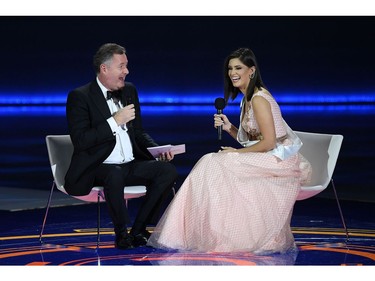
[98,99]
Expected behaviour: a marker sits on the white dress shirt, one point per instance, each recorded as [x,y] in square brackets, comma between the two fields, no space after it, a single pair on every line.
[123,150]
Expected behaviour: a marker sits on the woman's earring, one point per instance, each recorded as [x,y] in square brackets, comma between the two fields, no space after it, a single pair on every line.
[252,75]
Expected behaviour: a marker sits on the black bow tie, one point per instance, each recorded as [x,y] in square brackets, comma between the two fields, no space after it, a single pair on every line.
[113,94]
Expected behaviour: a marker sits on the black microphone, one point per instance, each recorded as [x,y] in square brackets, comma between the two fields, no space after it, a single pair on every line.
[219,105]
[129,100]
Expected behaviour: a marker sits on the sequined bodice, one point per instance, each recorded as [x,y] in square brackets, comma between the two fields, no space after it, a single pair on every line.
[249,129]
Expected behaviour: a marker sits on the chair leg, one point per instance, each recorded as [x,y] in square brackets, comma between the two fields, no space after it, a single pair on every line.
[46,214]
[342,217]
[100,196]
[98,227]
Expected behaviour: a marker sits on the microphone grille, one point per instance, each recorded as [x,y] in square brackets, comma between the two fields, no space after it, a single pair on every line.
[219,103]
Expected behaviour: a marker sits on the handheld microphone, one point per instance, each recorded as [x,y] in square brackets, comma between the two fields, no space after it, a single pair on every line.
[219,105]
[129,101]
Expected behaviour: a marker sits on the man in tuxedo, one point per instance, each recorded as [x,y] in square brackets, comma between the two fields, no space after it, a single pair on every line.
[110,146]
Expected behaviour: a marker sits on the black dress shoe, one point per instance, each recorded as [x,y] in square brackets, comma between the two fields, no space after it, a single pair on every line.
[139,240]
[124,241]
[146,234]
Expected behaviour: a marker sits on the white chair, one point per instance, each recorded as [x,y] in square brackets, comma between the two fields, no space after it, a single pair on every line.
[60,150]
[322,151]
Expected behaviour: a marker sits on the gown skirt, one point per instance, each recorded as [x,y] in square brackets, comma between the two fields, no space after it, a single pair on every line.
[233,202]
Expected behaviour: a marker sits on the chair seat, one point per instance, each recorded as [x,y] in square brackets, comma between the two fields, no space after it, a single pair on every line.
[308,191]
[130,192]
[134,191]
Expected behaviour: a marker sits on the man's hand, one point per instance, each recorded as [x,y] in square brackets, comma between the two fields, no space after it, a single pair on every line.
[124,115]
[166,157]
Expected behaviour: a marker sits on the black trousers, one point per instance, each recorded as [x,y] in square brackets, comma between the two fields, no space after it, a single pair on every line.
[158,177]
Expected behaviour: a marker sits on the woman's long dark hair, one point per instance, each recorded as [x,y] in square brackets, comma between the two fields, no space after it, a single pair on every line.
[247,57]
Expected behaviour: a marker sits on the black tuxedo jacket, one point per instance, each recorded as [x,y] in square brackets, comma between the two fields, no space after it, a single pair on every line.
[93,140]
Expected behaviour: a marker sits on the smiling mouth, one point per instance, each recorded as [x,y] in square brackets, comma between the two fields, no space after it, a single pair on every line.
[235,79]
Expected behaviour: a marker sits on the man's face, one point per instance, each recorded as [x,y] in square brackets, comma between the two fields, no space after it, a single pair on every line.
[113,72]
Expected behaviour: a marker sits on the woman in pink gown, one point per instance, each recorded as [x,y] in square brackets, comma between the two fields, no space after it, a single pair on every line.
[240,199]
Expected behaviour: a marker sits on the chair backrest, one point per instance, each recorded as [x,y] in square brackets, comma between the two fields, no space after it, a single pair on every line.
[322,151]
[60,151]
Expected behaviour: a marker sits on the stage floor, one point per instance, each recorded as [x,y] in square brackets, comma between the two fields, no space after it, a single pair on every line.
[70,238]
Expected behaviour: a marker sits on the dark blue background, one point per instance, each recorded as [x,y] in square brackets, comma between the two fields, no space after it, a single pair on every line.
[186,53]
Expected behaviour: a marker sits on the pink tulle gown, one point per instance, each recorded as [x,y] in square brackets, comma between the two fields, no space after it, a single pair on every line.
[237,201]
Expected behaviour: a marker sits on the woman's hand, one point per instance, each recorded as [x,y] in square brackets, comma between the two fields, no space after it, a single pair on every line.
[222,120]
[227,149]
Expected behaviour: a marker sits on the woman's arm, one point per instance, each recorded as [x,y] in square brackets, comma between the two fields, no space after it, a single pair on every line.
[264,118]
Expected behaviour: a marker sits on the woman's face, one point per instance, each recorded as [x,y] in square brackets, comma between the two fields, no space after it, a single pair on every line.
[239,74]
